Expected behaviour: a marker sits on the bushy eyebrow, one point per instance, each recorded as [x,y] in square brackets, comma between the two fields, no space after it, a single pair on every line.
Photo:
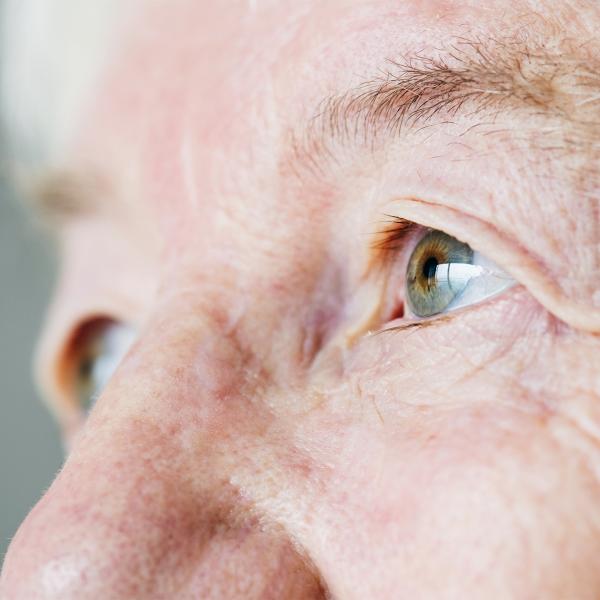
[480,79]
[473,78]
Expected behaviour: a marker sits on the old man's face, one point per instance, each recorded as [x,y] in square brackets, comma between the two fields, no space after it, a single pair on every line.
[350,253]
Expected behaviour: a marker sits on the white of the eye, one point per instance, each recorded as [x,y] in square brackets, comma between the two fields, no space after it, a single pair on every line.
[117,340]
[457,275]
[479,280]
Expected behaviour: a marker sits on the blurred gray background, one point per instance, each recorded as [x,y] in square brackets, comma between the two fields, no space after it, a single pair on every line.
[30,452]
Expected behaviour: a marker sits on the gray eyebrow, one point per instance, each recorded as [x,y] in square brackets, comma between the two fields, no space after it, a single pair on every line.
[58,197]
[476,78]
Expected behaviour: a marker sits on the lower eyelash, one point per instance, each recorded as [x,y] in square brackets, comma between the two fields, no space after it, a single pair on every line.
[415,324]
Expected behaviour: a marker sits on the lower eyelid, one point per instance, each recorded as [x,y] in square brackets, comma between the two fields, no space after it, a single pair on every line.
[447,318]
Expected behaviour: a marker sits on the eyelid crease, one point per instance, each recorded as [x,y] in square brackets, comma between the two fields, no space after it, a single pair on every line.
[525,266]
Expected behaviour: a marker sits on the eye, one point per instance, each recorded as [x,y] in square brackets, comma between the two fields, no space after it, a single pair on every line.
[99,347]
[444,274]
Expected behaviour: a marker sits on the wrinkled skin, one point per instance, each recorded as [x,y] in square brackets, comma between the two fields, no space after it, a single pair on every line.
[257,441]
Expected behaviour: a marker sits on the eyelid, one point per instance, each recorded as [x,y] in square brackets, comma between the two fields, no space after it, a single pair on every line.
[394,235]
[526,267]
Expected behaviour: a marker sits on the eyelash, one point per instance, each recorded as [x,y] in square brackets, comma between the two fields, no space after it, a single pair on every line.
[390,240]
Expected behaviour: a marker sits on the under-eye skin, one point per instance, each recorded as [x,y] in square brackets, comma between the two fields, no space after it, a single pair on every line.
[444,274]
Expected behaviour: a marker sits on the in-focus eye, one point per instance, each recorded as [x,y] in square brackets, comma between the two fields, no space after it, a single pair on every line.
[444,274]
[99,348]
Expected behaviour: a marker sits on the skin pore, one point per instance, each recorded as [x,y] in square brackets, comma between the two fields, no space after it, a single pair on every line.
[279,428]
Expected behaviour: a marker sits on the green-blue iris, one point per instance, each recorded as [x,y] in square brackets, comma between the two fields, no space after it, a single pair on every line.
[430,286]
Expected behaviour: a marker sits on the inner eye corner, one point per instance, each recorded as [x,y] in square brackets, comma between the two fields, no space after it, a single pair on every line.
[399,311]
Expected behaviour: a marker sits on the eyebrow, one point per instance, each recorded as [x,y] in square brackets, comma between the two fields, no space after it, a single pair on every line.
[473,78]
[58,197]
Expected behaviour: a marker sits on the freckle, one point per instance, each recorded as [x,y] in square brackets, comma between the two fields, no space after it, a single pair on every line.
[431,438]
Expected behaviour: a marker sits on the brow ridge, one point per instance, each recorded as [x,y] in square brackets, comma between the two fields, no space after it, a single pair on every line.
[470,78]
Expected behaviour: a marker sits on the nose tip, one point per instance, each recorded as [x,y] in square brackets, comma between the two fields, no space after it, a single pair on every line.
[23,577]
[65,549]
[120,521]
[136,514]
[66,554]
[31,572]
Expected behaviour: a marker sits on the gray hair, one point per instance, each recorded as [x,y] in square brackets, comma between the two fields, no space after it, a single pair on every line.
[50,53]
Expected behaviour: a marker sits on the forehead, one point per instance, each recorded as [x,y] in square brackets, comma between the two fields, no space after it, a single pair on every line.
[184,99]
[53,52]
[169,85]
[193,114]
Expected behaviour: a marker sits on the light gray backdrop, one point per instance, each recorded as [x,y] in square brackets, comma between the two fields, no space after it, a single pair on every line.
[30,452]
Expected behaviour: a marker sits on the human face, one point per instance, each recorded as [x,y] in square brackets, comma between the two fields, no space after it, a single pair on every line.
[285,424]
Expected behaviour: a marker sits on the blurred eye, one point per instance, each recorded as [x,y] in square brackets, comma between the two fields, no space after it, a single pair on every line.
[444,274]
[100,347]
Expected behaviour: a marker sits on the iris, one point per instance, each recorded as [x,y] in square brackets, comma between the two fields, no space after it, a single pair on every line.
[438,271]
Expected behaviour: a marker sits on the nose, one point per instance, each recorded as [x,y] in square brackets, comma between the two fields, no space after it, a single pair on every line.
[146,505]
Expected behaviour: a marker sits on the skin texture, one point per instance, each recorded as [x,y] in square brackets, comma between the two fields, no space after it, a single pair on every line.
[258,441]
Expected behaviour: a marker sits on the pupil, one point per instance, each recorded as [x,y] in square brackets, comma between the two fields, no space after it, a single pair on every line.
[429,268]
[85,369]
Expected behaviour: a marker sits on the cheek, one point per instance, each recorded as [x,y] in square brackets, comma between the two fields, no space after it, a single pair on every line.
[475,496]
[476,357]
[440,460]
